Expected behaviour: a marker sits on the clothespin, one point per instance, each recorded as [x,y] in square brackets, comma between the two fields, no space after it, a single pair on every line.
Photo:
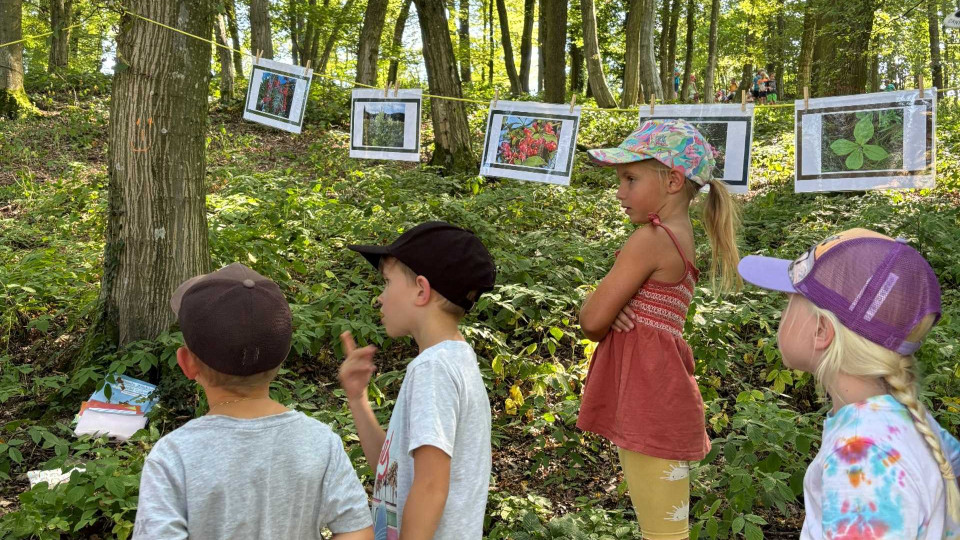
[806,98]
[920,85]
[396,88]
[496,96]
[259,54]
[573,101]
[743,100]
[653,101]
[308,66]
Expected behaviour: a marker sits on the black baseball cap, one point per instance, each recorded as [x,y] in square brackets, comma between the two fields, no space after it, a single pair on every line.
[453,260]
[235,320]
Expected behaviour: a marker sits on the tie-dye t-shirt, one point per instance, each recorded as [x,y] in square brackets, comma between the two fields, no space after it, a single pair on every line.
[875,477]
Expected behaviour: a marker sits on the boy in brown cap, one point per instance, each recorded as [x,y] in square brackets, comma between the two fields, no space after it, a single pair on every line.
[433,462]
[250,468]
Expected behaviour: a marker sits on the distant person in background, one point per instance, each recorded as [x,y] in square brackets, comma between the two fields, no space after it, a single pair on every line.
[888,86]
[732,90]
[771,97]
[755,88]
[692,95]
[676,82]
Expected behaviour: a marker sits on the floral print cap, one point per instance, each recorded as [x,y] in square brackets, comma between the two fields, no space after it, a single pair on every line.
[674,142]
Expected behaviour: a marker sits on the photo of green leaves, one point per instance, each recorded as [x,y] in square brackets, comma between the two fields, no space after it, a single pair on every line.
[862,141]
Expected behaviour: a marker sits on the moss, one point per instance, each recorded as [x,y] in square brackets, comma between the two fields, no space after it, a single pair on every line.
[14,104]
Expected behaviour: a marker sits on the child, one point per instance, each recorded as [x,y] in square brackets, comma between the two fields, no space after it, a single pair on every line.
[433,463]
[771,96]
[640,391]
[860,305]
[250,468]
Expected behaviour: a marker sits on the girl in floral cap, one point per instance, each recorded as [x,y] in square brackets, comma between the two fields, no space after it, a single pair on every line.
[640,392]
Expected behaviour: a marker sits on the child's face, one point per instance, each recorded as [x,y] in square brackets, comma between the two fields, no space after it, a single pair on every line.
[797,335]
[641,191]
[398,300]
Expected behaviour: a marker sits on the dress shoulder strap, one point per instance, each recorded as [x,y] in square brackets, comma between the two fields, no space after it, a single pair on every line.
[655,221]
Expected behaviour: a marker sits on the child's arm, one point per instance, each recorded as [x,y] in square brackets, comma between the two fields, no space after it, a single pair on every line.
[631,269]
[344,502]
[162,510]
[428,494]
[354,377]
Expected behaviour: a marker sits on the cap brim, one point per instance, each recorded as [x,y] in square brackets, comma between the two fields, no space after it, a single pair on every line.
[177,296]
[372,254]
[615,156]
[767,273]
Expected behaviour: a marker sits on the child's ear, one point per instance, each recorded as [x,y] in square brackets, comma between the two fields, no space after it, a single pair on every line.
[675,181]
[188,363]
[424,291]
[825,334]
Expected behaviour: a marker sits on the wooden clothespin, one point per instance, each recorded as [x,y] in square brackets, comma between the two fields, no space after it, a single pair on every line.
[653,102]
[743,100]
[396,88]
[573,101]
[259,54]
[806,97]
[308,66]
[496,96]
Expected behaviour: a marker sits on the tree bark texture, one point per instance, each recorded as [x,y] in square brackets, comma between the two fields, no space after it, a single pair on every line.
[156,233]
[597,80]
[541,36]
[709,82]
[649,77]
[688,54]
[231,12]
[555,51]
[807,40]
[13,100]
[226,65]
[526,45]
[842,59]
[515,87]
[576,68]
[396,47]
[672,45]
[466,69]
[61,13]
[261,35]
[452,149]
[294,23]
[936,64]
[369,49]
[746,81]
[490,45]
[664,17]
[631,57]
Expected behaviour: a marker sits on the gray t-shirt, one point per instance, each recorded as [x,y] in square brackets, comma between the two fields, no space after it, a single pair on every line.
[282,477]
[442,403]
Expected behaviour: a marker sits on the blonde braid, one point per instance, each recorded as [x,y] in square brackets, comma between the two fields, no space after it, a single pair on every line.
[903,388]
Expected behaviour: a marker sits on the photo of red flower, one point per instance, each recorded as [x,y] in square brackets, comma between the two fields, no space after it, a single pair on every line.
[529,141]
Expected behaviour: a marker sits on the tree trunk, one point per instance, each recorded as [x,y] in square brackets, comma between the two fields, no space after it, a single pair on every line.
[708,80]
[746,82]
[294,22]
[396,47]
[490,45]
[631,57]
[526,45]
[555,52]
[662,45]
[13,100]
[369,48]
[842,66]
[597,80]
[452,149]
[226,67]
[332,38]
[541,40]
[807,41]
[933,21]
[61,11]
[688,54]
[875,73]
[672,45]
[466,71]
[231,12]
[515,88]
[649,77]
[576,68]
[156,235]
[261,36]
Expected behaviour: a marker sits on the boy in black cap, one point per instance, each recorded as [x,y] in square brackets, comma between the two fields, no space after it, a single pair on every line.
[250,468]
[433,462]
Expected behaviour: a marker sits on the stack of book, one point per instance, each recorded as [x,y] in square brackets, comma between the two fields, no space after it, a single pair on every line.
[118,409]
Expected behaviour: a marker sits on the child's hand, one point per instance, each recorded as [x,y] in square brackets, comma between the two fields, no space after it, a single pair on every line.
[357,367]
[624,320]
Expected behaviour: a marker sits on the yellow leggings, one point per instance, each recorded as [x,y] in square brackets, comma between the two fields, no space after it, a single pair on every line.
[660,492]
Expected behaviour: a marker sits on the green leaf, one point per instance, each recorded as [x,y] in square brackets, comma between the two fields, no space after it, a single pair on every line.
[115,487]
[855,160]
[15,455]
[737,525]
[753,532]
[842,147]
[874,152]
[549,138]
[534,161]
[556,332]
[863,131]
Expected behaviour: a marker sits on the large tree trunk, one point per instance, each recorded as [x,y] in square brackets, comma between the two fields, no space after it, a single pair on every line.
[13,100]
[261,35]
[156,234]
[526,45]
[576,68]
[396,47]
[649,78]
[555,51]
[515,87]
[466,71]
[746,81]
[369,48]
[933,22]
[708,80]
[294,21]
[61,12]
[842,59]
[541,40]
[688,53]
[452,149]
[807,41]
[631,58]
[597,80]
[664,18]
[672,45]
[226,66]
[332,38]
[231,12]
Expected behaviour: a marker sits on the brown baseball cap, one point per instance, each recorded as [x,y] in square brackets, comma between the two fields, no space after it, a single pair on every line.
[453,260]
[235,320]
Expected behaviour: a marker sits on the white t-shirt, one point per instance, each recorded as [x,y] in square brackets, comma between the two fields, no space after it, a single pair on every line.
[875,477]
[442,403]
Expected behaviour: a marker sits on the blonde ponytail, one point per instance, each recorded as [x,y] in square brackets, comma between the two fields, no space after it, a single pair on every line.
[855,355]
[721,219]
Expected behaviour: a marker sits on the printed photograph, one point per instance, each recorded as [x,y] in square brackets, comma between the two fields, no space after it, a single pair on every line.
[384,124]
[862,141]
[529,141]
[275,95]
[716,135]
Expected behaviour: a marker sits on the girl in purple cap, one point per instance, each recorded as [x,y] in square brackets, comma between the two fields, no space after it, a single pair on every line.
[640,392]
[860,305]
